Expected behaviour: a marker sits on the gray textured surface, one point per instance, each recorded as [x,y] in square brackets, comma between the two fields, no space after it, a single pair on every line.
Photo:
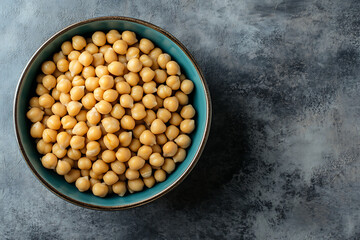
[283,159]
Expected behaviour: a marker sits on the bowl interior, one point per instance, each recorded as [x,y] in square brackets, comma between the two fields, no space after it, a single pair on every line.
[27,90]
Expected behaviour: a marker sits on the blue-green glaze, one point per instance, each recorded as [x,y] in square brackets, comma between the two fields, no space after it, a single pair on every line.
[26,89]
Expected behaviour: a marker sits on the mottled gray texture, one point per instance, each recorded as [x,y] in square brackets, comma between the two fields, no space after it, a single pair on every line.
[283,158]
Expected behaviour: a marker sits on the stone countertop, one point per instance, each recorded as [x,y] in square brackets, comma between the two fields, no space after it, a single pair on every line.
[283,158]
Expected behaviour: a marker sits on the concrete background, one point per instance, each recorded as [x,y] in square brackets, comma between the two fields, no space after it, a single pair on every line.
[283,158]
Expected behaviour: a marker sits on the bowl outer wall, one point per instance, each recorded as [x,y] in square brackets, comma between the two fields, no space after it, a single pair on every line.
[162,39]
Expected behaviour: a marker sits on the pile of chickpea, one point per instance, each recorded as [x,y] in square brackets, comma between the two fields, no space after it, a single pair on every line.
[112,113]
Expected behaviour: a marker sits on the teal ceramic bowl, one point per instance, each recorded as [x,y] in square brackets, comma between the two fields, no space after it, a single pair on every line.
[200,98]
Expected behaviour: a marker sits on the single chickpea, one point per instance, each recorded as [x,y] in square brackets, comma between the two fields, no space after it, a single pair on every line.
[102,71]
[59,109]
[132,78]
[35,114]
[123,88]
[136,93]
[169,149]
[110,178]
[91,48]
[138,130]
[92,149]
[99,38]
[180,155]
[134,65]
[83,184]
[64,86]
[146,171]
[149,182]
[93,181]
[63,139]
[100,167]
[171,103]
[119,188]
[129,37]
[48,67]
[150,117]
[55,94]
[156,159]
[136,163]
[63,167]
[58,56]
[123,154]
[132,52]
[80,129]
[125,138]
[46,101]
[116,68]
[120,47]
[62,65]
[155,53]
[126,101]
[74,55]
[65,98]
[106,82]
[94,133]
[43,147]
[127,122]
[187,112]
[182,98]
[77,92]
[136,185]
[74,154]
[163,114]
[92,83]
[149,101]
[49,161]
[164,91]
[160,76]
[187,126]
[58,151]
[173,82]
[132,174]
[161,139]
[81,117]
[78,42]
[100,189]
[172,132]
[34,102]
[40,89]
[183,141]
[117,111]
[72,176]
[112,36]
[169,165]
[85,58]
[147,138]
[147,74]
[110,95]
[110,124]
[73,108]
[111,141]
[49,135]
[156,148]
[160,175]
[108,156]
[163,59]
[88,101]
[110,55]
[98,59]
[66,47]
[118,167]
[158,126]
[75,67]
[68,122]
[146,60]
[135,145]
[103,107]
[172,68]
[146,45]
[187,86]
[138,111]
[37,129]
[149,87]
[77,142]
[49,82]
[84,163]
[87,72]
[98,94]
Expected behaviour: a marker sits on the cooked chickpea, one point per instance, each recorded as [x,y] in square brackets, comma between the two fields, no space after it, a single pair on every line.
[59,109]
[110,55]
[118,167]
[87,72]
[187,112]
[72,176]
[136,93]
[150,117]
[125,138]
[149,182]
[92,83]
[149,87]
[63,139]
[138,130]
[92,149]
[138,111]
[48,112]
[160,175]
[146,45]
[77,142]
[129,37]
[147,138]
[112,36]
[106,82]
[100,189]
[187,125]
[98,59]
[35,114]
[169,149]
[144,152]
[135,145]
[160,76]
[110,95]
[64,86]
[85,58]
[88,101]
[116,68]
[75,67]
[146,61]
[78,42]
[68,122]
[119,188]
[66,48]
[161,139]
[103,107]
[49,161]
[56,94]
[83,184]
[163,59]
[46,101]
[49,82]
[156,148]
[43,147]
[158,126]
[156,159]
[99,38]
[172,68]
[74,55]
[48,67]
[132,174]
[173,82]
[58,56]
[58,151]
[117,111]
[182,98]
[94,133]
[92,48]
[100,167]
[120,47]
[149,101]
[34,102]
[171,104]
[123,154]
[126,101]
[169,165]
[180,155]
[95,175]
[37,129]
[65,98]
[80,129]
[187,86]
[74,154]
[132,78]
[111,141]
[40,89]
[81,117]
[183,141]
[63,167]
[164,91]
[136,185]
[172,132]
[84,163]
[127,122]
[147,74]
[110,178]
[163,114]
[134,65]
[110,124]
[49,135]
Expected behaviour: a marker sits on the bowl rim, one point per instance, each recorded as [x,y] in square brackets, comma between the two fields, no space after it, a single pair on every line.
[143,201]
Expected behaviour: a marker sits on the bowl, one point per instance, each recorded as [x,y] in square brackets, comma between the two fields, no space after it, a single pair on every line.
[200,98]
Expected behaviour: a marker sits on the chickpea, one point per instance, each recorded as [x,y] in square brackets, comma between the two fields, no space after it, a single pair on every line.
[147,138]
[46,101]
[74,154]
[183,141]
[70,161]
[160,76]
[120,47]
[72,176]
[40,89]
[156,148]
[132,174]
[58,151]
[75,67]
[110,95]
[99,38]
[173,68]
[172,132]
[63,167]
[95,175]
[78,42]
[110,178]
[158,126]
[164,91]
[134,65]
[92,149]
[132,78]
[118,167]
[93,181]
[136,163]
[80,129]
[111,124]
[169,149]
[123,154]
[100,167]
[117,111]
[138,130]
[34,102]
[169,165]
[59,109]
[35,114]
[49,82]
[160,175]
[100,189]
[88,101]
[119,188]
[163,59]
[147,74]
[83,184]
[49,161]
[81,117]
[116,68]
[187,86]
[127,122]
[149,87]
[84,163]
[187,112]
[161,139]
[55,94]
[43,147]
[136,93]
[37,129]
[87,72]
[187,125]
[146,61]
[138,111]
[66,48]
[110,55]
[77,142]
[173,82]
[149,182]
[163,114]
[73,108]
[58,56]
[129,37]
[85,58]
[155,53]
[171,104]
[74,55]
[68,122]
[180,155]
[103,107]
[136,185]
[112,36]
[65,98]
[98,59]
[106,82]
[135,145]
[125,138]
[111,141]
[156,159]
[48,67]
[64,86]
[63,139]
[91,48]
[146,45]
[149,101]
[150,117]
[182,98]
[92,83]
[49,135]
